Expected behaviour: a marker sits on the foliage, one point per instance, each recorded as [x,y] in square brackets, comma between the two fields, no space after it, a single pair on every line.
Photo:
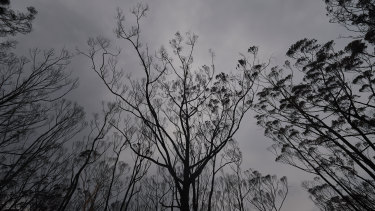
[185,115]
[35,120]
[320,111]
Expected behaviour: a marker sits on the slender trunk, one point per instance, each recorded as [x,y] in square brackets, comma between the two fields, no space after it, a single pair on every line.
[111,183]
[212,185]
[195,188]
[184,197]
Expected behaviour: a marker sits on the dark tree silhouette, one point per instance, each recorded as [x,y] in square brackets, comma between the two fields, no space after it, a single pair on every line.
[12,22]
[35,120]
[242,190]
[320,111]
[96,178]
[357,16]
[250,190]
[231,189]
[185,115]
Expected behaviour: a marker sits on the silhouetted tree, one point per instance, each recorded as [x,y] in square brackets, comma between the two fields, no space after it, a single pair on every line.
[12,22]
[250,190]
[87,153]
[35,120]
[185,115]
[242,190]
[357,16]
[320,111]
[229,187]
[96,178]
[155,192]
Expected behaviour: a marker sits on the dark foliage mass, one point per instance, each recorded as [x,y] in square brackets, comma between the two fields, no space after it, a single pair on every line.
[319,110]
[13,22]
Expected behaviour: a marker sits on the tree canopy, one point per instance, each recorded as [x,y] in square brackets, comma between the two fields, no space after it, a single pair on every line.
[319,110]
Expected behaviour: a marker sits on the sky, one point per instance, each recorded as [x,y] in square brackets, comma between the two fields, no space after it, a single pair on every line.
[226,27]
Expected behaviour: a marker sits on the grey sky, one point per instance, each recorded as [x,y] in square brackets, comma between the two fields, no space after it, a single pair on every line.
[227,27]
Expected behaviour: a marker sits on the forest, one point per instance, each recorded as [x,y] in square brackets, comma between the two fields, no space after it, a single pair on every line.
[166,138]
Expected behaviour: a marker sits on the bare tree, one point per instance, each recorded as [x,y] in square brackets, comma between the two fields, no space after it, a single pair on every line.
[35,120]
[155,192]
[86,153]
[185,115]
[97,178]
[242,190]
[227,185]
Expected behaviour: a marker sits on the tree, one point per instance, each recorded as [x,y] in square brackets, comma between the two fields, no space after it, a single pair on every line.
[250,190]
[320,111]
[12,22]
[225,187]
[85,154]
[355,15]
[35,120]
[95,176]
[242,190]
[43,165]
[185,115]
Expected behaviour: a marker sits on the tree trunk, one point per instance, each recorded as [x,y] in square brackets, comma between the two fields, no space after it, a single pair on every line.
[184,197]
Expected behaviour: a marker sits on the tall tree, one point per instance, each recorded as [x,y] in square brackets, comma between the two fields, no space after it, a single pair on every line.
[236,189]
[221,187]
[185,115]
[35,120]
[320,110]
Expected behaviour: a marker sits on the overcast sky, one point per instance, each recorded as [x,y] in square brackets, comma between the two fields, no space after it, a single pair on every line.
[227,27]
